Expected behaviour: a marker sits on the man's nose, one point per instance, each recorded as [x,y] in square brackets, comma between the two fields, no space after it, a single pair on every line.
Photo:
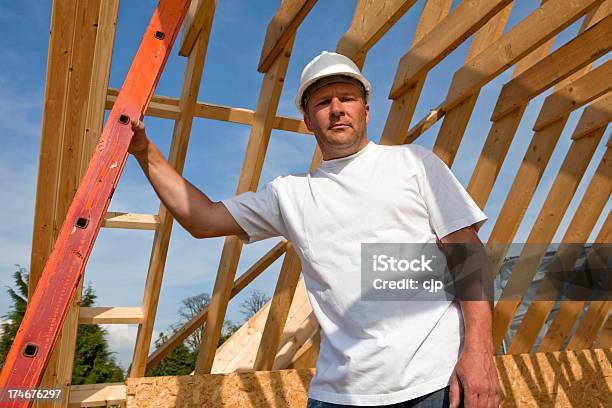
[336,107]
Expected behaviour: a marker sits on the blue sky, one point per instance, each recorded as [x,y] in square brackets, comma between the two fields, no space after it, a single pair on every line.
[118,264]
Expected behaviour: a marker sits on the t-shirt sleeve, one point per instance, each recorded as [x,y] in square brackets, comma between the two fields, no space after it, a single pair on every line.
[449,205]
[257,213]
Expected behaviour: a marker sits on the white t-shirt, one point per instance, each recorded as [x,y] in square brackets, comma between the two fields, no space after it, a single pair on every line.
[371,353]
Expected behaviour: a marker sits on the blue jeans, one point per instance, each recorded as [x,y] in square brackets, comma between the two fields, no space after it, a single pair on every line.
[436,399]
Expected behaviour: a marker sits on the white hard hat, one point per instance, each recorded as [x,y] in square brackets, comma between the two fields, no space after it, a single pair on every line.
[325,65]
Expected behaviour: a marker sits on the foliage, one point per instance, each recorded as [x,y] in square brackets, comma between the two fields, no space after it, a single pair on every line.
[16,312]
[93,362]
[180,362]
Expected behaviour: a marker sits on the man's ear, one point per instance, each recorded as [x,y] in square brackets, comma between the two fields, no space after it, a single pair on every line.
[307,122]
[367,110]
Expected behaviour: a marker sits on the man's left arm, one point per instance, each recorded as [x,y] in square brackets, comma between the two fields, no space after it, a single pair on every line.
[475,369]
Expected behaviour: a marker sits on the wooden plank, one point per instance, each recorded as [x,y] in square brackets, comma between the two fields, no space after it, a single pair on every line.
[103,52]
[446,36]
[131,221]
[95,395]
[550,216]
[281,29]
[592,322]
[63,21]
[570,311]
[176,158]
[84,90]
[527,179]
[455,122]
[297,343]
[577,53]
[279,309]
[167,108]
[592,204]
[502,131]
[201,12]
[563,379]
[578,93]
[604,339]
[537,28]
[307,356]
[247,277]
[45,315]
[249,178]
[110,315]
[371,20]
[239,352]
[596,115]
[402,107]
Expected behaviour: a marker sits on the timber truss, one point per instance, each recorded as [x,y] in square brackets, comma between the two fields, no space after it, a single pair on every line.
[285,334]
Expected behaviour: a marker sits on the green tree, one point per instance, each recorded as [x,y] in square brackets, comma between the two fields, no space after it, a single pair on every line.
[180,362]
[93,362]
[16,312]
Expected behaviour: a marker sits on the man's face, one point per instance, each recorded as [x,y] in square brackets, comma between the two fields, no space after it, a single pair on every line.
[338,115]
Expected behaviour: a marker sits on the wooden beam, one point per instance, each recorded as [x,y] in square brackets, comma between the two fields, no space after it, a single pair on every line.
[63,22]
[578,93]
[570,311]
[502,131]
[176,158]
[541,25]
[592,322]
[279,309]
[301,338]
[103,52]
[528,176]
[579,230]
[307,356]
[197,21]
[166,107]
[95,395]
[110,315]
[455,122]
[580,51]
[447,35]
[95,22]
[239,352]
[402,107]
[604,338]
[371,20]
[259,137]
[595,116]
[247,277]
[281,29]
[131,221]
[550,216]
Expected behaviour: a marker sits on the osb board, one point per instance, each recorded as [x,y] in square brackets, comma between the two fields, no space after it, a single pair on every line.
[560,379]
[285,388]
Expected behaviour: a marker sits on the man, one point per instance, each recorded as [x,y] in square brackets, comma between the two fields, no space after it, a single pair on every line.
[371,353]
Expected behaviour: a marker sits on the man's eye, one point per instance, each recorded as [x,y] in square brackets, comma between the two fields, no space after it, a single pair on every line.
[321,103]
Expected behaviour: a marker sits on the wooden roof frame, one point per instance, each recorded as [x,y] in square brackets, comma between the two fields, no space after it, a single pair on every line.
[285,333]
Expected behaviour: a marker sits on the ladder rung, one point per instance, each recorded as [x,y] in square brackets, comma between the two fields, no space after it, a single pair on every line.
[93,395]
[131,221]
[110,315]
